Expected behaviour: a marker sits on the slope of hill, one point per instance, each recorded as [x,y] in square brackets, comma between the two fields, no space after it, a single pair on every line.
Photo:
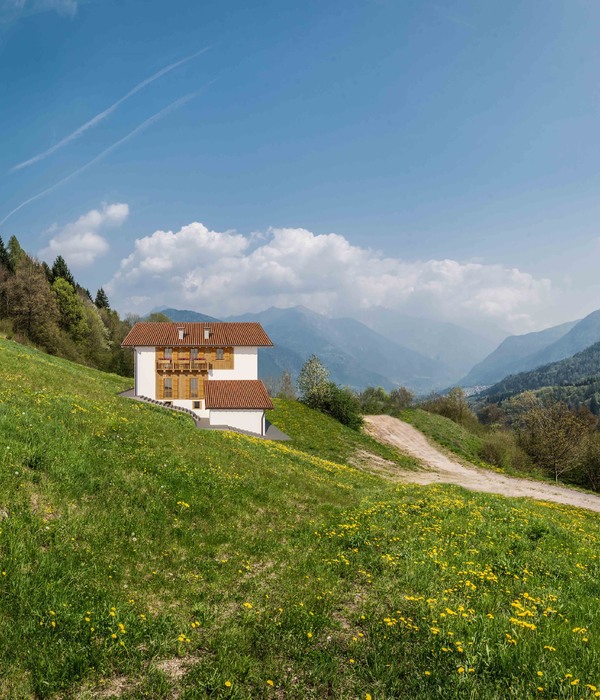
[511,351]
[140,557]
[355,355]
[581,369]
[456,347]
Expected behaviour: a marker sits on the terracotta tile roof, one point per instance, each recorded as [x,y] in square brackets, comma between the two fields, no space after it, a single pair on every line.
[236,393]
[157,334]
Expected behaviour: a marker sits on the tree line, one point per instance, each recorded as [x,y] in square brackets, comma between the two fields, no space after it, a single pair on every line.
[44,306]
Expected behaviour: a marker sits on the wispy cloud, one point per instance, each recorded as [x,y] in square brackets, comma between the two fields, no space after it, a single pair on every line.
[107,112]
[144,125]
[12,10]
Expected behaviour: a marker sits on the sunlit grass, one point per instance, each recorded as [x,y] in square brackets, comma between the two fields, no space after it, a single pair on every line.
[142,557]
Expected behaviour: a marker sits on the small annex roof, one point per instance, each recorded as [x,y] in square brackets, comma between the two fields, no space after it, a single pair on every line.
[147,334]
[236,394]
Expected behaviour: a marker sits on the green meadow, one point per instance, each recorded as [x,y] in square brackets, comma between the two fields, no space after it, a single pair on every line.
[143,558]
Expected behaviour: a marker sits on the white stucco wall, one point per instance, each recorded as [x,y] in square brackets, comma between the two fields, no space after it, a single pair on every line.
[186,403]
[145,372]
[245,365]
[244,420]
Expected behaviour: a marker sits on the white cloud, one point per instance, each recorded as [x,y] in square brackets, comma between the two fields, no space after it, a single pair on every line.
[228,273]
[80,242]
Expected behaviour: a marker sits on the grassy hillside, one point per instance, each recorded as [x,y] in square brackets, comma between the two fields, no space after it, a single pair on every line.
[142,558]
[447,433]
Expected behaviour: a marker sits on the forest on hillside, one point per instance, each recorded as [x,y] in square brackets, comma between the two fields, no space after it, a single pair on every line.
[44,306]
[575,380]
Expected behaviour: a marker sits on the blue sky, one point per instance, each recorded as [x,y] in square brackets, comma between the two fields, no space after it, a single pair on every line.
[450,146]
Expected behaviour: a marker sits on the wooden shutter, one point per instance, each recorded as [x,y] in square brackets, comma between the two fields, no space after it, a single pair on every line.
[159,387]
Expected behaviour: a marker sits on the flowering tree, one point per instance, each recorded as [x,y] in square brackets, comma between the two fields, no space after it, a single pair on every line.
[313,382]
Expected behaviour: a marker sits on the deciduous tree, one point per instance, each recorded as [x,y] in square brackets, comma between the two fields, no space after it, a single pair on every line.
[313,382]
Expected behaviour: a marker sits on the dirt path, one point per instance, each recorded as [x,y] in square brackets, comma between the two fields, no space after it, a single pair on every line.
[445,470]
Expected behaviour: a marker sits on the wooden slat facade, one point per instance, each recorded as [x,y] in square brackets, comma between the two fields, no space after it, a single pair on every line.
[182,367]
[181,358]
[182,386]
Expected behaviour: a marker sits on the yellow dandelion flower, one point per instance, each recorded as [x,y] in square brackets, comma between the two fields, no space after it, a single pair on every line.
[460,669]
[270,682]
[228,684]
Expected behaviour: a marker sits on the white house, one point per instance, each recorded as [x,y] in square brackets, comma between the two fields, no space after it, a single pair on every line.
[209,368]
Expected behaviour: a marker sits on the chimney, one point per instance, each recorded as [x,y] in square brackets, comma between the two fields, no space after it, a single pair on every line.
[207,333]
[180,333]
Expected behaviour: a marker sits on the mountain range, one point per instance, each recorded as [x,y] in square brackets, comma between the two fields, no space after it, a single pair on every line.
[358,354]
[389,349]
[521,353]
[581,369]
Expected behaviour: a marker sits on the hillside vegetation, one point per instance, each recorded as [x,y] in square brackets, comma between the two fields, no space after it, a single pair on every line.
[580,373]
[143,558]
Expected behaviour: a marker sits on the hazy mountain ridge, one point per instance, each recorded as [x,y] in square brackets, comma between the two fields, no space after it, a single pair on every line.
[457,347]
[526,352]
[355,354]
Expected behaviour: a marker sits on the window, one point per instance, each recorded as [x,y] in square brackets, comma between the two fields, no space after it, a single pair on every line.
[196,404]
[220,354]
[168,387]
[194,388]
[193,353]
[168,353]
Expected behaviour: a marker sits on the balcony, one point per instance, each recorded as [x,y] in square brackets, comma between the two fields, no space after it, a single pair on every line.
[182,365]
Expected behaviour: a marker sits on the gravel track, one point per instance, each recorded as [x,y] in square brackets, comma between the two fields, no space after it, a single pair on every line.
[443,469]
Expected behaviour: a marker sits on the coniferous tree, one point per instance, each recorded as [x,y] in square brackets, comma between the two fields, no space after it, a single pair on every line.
[4,256]
[16,254]
[71,309]
[61,269]
[47,272]
[102,299]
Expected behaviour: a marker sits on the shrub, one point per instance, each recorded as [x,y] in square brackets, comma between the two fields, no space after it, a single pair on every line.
[373,400]
[500,448]
[342,404]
